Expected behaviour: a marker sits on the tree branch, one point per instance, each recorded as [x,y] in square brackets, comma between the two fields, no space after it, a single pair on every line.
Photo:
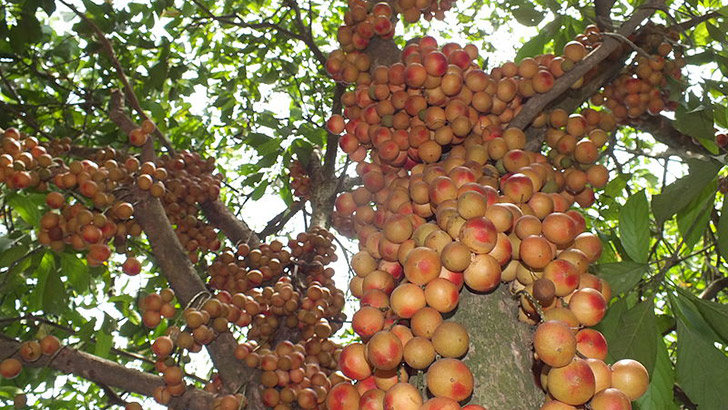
[662,130]
[278,221]
[712,290]
[236,230]
[175,265]
[688,24]
[306,39]
[603,11]
[107,373]
[537,103]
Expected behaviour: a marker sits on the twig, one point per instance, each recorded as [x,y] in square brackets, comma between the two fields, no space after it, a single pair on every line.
[278,221]
[128,89]
[629,42]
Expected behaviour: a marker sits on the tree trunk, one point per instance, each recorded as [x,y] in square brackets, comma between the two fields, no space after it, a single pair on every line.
[500,354]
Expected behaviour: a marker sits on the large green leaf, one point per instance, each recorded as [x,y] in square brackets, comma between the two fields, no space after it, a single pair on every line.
[76,271]
[622,276]
[697,123]
[634,227]
[678,195]
[636,336]
[716,314]
[693,219]
[701,369]
[104,338]
[27,209]
[659,395]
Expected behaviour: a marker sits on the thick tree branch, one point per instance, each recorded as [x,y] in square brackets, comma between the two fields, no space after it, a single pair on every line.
[128,89]
[662,129]
[537,103]
[107,373]
[236,230]
[322,171]
[603,11]
[712,290]
[175,265]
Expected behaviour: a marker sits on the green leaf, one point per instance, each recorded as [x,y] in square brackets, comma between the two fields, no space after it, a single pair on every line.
[716,314]
[12,254]
[527,15]
[659,395]
[693,220]
[636,336]
[536,44]
[621,276]
[104,338]
[54,293]
[685,310]
[697,123]
[701,369]
[76,270]
[609,325]
[37,296]
[723,229]
[26,208]
[678,195]
[634,227]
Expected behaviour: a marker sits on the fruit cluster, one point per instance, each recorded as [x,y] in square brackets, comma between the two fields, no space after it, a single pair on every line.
[271,293]
[575,143]
[90,201]
[300,180]
[487,212]
[29,351]
[156,306]
[642,88]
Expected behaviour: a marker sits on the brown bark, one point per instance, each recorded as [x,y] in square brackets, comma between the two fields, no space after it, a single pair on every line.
[108,373]
[223,219]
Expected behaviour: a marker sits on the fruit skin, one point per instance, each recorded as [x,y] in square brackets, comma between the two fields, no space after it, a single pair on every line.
[343,396]
[450,378]
[554,343]
[572,384]
[10,368]
[611,399]
[631,377]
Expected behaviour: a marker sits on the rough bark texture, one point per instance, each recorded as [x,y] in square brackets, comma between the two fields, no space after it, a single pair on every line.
[500,351]
[108,373]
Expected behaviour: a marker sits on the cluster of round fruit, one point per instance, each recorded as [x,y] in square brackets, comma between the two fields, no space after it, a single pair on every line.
[139,136]
[189,181]
[362,21]
[300,181]
[156,306]
[316,245]
[294,374]
[641,88]
[100,187]
[575,143]
[410,110]
[247,268]
[411,10]
[489,226]
[29,351]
